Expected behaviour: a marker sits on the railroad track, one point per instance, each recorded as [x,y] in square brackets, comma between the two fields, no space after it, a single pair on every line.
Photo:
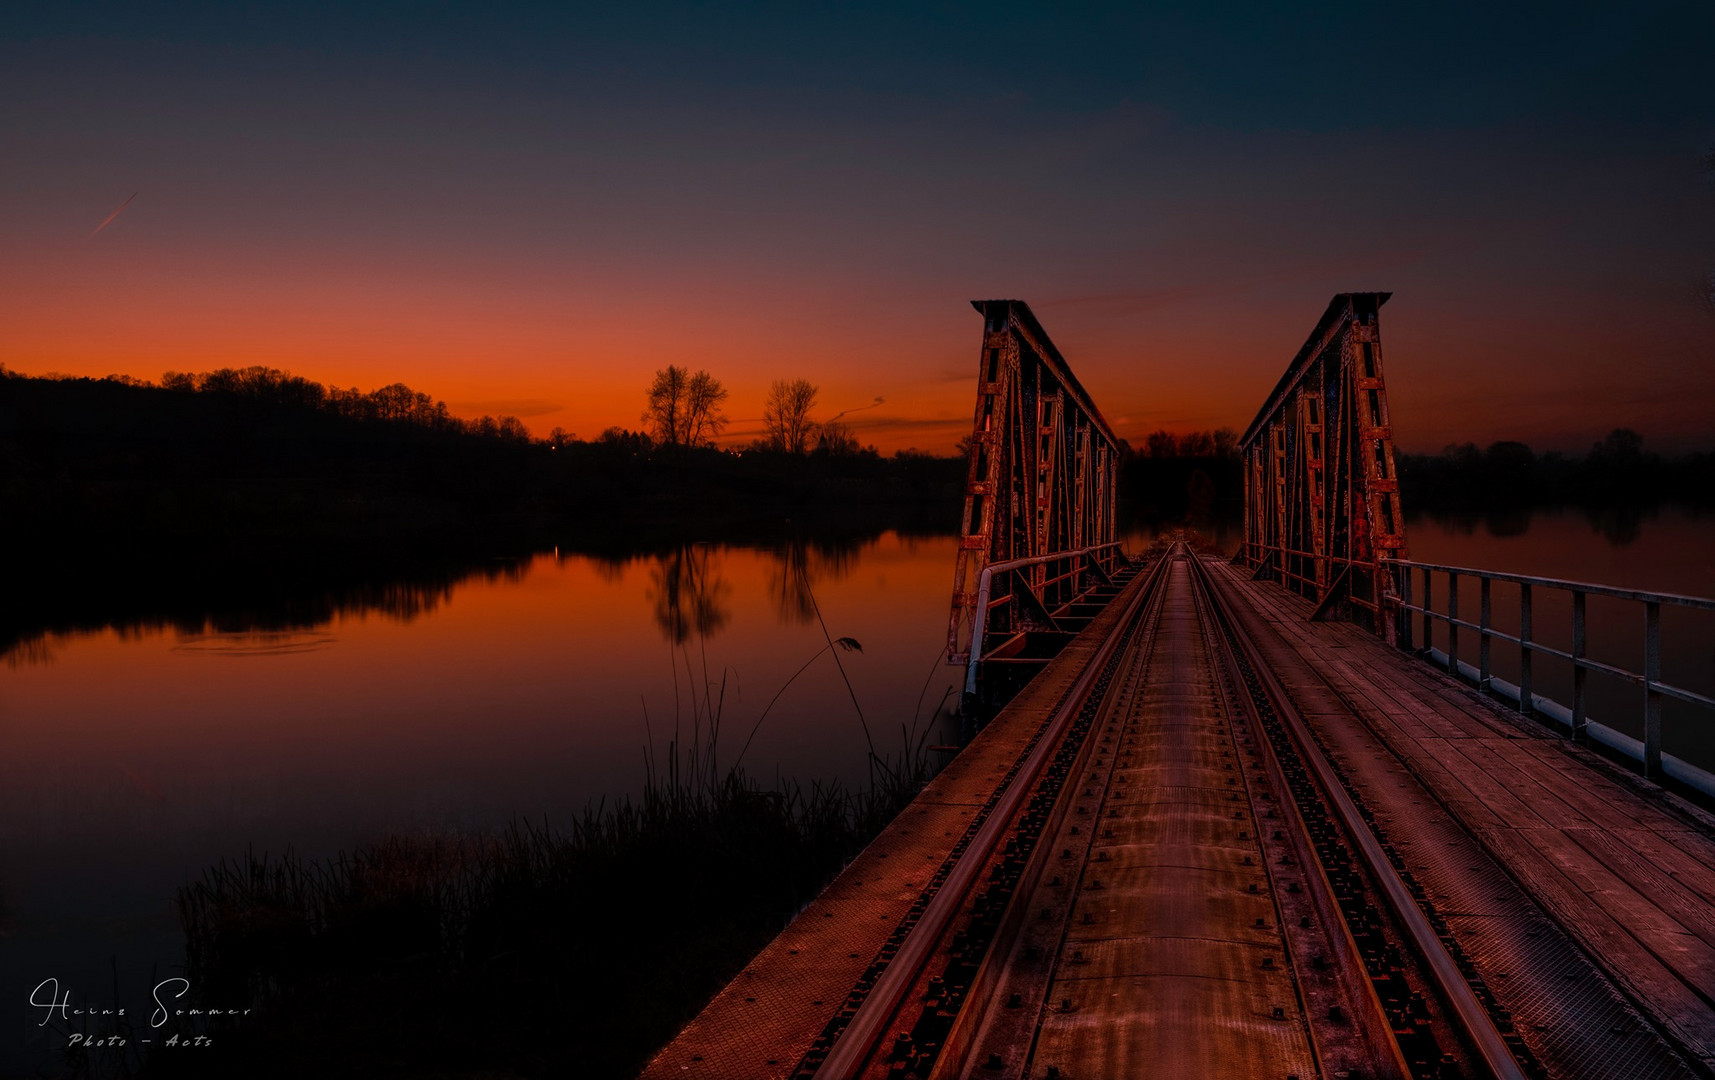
[1173,881]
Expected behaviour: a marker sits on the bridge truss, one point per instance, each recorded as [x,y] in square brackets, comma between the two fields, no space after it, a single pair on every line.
[1321,494]
[1041,493]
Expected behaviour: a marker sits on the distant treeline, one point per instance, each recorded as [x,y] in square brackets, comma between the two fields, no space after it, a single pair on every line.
[1616,471]
[241,461]
[1200,476]
[236,460]
[1195,478]
[398,403]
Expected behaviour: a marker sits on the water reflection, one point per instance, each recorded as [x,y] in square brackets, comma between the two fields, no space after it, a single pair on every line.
[800,565]
[1619,524]
[254,643]
[689,593]
[224,608]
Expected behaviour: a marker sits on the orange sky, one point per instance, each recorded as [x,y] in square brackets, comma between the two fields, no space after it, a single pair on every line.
[576,351]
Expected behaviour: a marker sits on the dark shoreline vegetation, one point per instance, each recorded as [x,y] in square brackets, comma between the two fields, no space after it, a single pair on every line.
[542,951]
[259,462]
[243,467]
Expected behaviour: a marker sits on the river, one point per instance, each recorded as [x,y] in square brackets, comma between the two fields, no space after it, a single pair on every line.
[141,751]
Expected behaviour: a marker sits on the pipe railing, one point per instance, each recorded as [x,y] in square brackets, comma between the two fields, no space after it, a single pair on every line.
[1647,751]
[1257,553]
[979,618]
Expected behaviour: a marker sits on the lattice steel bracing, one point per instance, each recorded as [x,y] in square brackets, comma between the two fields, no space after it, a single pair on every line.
[1043,479]
[1321,496]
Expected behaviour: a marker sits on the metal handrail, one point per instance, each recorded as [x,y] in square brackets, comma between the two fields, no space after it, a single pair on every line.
[979,617]
[1702,603]
[1648,751]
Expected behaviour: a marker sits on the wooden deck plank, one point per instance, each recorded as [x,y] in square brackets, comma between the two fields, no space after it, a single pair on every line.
[1496,796]
[1676,1005]
[1667,891]
[1613,814]
[1676,947]
[1527,777]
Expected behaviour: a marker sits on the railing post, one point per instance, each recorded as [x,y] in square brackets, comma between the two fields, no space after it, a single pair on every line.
[1483,635]
[1402,617]
[1525,702]
[1578,673]
[1652,696]
[1452,626]
[1428,608]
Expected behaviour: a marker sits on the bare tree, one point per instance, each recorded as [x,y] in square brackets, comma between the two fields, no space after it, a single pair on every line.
[703,416]
[786,415]
[666,412]
[684,409]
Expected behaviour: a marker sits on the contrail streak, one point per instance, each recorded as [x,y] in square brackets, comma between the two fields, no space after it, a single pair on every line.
[860,408]
[110,217]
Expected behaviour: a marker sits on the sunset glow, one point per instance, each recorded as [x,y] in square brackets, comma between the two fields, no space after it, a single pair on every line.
[369,207]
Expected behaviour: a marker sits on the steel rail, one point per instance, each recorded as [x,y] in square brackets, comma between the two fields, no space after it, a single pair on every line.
[1474,1019]
[1374,1029]
[956,1049]
[862,1034]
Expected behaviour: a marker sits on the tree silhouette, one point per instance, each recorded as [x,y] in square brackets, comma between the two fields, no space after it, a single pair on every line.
[1226,442]
[836,439]
[1197,444]
[1161,444]
[786,415]
[684,409]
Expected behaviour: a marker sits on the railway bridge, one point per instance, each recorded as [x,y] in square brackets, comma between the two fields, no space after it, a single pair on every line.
[1289,811]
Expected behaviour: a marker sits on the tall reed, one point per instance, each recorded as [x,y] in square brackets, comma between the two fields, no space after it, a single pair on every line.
[571,948]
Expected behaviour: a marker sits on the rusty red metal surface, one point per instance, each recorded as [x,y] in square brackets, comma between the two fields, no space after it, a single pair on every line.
[1321,494]
[1043,479]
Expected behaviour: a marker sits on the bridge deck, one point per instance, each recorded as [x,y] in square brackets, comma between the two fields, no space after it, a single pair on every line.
[1626,868]
[1577,900]
[1168,946]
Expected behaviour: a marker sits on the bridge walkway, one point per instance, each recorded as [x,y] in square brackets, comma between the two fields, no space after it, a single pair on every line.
[1626,868]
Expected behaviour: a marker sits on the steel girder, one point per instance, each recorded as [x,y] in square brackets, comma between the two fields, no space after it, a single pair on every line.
[1321,494]
[1043,479]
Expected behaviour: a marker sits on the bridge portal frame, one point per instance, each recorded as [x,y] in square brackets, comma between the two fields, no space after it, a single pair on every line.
[1043,481]
[1322,508]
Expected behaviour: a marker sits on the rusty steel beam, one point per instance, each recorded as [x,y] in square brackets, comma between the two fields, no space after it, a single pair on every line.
[1043,479]
[1321,495]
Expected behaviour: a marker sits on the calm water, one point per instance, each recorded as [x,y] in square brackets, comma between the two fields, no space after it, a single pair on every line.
[138,754]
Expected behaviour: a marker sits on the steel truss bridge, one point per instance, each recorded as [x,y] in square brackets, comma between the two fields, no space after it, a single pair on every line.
[1277,812]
